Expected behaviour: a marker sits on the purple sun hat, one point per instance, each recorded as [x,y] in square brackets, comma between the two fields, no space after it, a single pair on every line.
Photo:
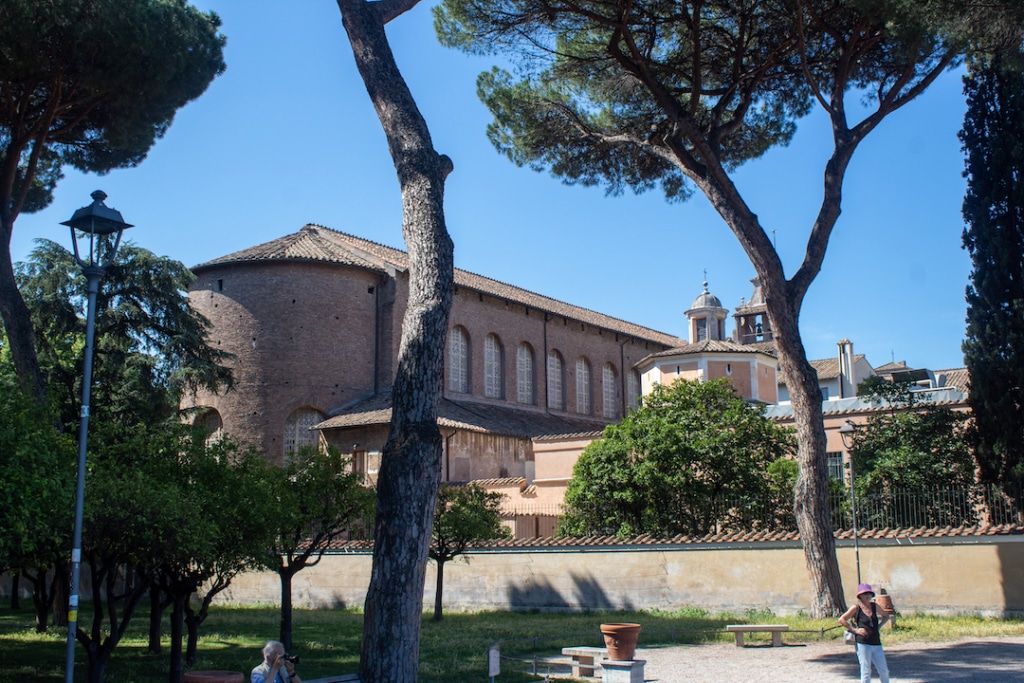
[865,588]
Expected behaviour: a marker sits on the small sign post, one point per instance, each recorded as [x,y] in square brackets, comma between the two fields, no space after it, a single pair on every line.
[493,661]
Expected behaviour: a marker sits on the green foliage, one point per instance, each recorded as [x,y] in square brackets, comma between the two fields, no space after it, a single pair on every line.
[37,485]
[637,94]
[692,459]
[150,344]
[94,83]
[898,394]
[994,237]
[464,514]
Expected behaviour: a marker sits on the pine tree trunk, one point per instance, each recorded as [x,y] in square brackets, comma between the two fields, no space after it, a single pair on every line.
[411,463]
[18,322]
[810,505]
[286,607]
[439,591]
[175,671]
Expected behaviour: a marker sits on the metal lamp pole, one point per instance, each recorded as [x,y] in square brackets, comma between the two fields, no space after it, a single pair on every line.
[99,228]
[846,432]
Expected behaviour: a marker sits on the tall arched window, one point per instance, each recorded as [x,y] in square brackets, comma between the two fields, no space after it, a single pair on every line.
[609,392]
[524,374]
[583,386]
[556,398]
[494,367]
[211,425]
[458,360]
[633,390]
[298,429]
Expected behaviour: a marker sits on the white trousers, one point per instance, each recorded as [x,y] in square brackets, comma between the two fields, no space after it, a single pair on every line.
[869,655]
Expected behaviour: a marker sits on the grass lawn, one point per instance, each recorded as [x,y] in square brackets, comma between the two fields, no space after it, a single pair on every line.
[452,650]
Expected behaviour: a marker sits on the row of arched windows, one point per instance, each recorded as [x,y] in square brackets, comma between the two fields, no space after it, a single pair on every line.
[298,428]
[458,375]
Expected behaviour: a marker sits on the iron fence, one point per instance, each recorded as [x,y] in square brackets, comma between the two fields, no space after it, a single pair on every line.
[886,509]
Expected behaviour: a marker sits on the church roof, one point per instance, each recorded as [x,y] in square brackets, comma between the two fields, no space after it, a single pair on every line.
[828,368]
[714,346]
[958,378]
[470,416]
[315,243]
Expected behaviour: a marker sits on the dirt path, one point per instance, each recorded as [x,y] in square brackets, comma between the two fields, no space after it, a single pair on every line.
[989,660]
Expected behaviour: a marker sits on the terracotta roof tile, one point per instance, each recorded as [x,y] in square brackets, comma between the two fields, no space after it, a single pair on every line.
[713,346]
[470,416]
[318,243]
[761,536]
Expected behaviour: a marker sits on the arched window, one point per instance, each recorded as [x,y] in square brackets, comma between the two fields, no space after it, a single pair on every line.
[298,429]
[556,399]
[211,425]
[633,390]
[524,374]
[609,392]
[458,360]
[494,367]
[583,386]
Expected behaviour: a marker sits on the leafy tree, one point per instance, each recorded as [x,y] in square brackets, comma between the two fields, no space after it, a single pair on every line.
[920,453]
[994,237]
[411,465]
[691,460]
[150,344]
[90,84]
[464,514]
[314,500]
[639,94]
[35,492]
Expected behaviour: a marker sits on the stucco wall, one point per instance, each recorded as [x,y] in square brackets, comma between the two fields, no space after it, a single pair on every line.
[985,576]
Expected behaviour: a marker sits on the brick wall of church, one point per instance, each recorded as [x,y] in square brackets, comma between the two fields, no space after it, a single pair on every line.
[302,335]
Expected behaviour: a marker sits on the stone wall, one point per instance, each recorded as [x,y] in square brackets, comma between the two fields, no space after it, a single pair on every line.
[980,575]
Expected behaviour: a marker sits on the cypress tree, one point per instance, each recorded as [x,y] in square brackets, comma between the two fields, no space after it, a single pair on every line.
[993,209]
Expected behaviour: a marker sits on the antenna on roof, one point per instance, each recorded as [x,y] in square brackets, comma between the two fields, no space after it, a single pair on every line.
[892,356]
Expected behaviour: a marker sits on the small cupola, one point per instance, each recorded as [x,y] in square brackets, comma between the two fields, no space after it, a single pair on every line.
[706,317]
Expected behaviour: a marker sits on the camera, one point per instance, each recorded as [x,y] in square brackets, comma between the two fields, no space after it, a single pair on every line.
[294,659]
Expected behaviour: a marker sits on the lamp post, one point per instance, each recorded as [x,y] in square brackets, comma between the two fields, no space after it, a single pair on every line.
[95,236]
[846,432]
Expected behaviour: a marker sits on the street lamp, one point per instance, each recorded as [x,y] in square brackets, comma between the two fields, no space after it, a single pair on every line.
[95,236]
[846,432]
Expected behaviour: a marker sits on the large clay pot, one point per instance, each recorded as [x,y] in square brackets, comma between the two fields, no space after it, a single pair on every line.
[620,639]
[214,677]
[884,601]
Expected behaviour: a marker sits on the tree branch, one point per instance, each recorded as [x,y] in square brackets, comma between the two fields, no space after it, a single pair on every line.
[392,9]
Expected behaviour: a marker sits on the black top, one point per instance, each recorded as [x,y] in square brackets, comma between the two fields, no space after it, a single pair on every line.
[861,620]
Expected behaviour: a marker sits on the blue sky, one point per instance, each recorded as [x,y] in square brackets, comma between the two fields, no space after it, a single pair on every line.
[288,136]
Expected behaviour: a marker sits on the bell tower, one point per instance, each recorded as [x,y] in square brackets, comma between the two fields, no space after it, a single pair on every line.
[752,324]
[706,317]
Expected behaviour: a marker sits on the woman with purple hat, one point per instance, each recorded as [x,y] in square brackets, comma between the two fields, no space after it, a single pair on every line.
[863,620]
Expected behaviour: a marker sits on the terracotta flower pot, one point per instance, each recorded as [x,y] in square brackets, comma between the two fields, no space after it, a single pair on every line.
[214,677]
[620,639]
[884,601]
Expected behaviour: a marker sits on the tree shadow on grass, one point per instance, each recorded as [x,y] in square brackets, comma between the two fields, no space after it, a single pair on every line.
[985,661]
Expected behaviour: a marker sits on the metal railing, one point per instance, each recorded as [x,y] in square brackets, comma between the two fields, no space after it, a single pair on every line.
[888,509]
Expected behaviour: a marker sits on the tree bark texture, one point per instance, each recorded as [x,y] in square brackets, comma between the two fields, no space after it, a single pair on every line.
[175,671]
[411,464]
[16,590]
[18,322]
[156,615]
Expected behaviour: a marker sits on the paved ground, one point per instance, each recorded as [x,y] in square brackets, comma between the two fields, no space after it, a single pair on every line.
[978,661]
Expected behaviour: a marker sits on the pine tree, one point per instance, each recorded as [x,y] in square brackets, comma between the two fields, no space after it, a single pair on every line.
[994,213]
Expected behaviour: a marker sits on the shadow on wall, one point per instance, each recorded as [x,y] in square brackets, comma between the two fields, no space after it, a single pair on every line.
[587,594]
[1011,566]
[981,661]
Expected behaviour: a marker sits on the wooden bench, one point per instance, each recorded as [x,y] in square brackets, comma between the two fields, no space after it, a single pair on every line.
[344,678]
[585,660]
[775,629]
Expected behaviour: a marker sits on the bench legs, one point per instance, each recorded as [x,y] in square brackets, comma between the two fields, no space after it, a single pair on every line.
[739,638]
[776,638]
[582,666]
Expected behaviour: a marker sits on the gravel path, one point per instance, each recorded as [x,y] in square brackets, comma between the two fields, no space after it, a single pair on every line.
[978,661]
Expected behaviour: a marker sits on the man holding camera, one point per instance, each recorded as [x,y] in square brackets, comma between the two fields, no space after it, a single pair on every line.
[277,667]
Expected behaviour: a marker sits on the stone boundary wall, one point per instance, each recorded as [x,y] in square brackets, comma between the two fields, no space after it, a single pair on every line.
[983,575]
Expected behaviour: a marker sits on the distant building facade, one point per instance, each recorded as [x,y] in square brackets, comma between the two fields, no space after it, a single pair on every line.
[313,320]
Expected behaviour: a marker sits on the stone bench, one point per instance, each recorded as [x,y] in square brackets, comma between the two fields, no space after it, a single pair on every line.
[775,629]
[585,662]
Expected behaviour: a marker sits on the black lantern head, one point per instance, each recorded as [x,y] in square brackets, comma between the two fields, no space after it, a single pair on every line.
[846,432]
[96,232]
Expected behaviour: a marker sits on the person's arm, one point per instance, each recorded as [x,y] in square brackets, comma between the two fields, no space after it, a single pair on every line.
[845,621]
